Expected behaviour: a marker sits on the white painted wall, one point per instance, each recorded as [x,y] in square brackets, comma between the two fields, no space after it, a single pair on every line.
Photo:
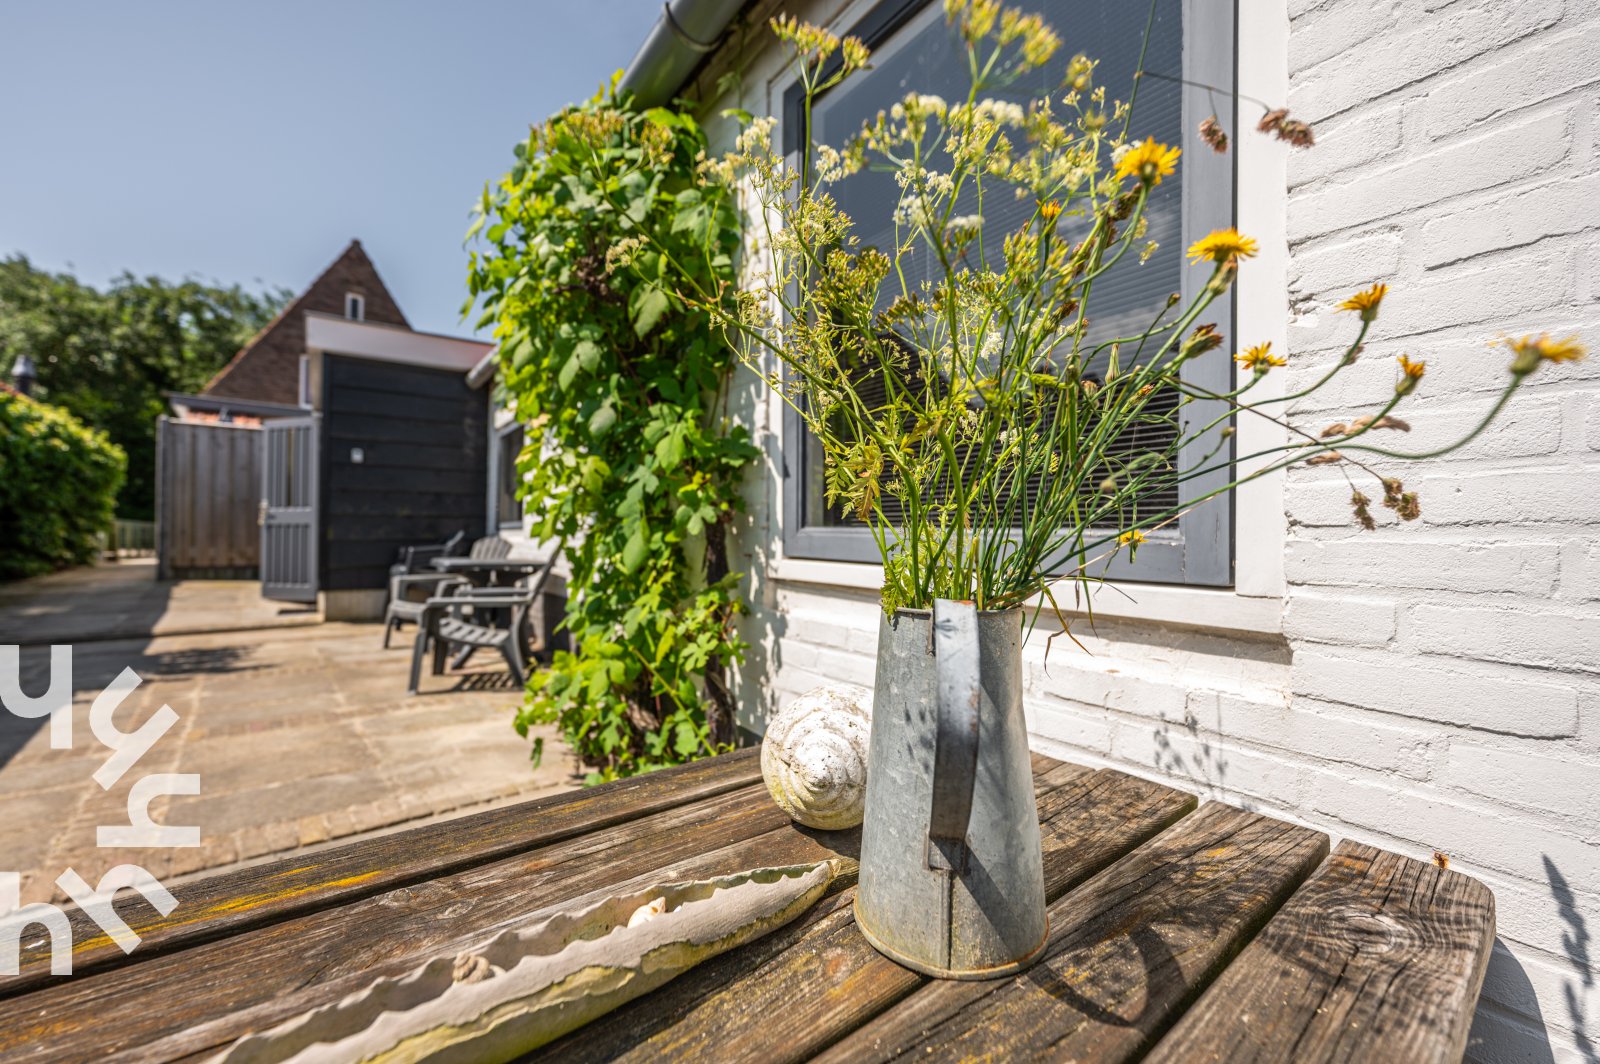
[1427,686]
[1458,161]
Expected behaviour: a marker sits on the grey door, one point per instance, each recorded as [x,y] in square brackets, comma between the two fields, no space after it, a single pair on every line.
[289,525]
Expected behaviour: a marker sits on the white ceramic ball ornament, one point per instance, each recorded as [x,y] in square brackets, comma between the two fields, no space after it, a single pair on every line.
[814,756]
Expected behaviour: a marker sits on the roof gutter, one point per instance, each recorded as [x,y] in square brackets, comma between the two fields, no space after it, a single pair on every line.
[686,32]
[484,371]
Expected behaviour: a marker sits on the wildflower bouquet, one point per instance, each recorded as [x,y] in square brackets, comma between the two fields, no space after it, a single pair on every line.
[974,420]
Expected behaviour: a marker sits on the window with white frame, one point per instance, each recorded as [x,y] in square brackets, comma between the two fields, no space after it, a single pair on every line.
[355,307]
[508,448]
[914,50]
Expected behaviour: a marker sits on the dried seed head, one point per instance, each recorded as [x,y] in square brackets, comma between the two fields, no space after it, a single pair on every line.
[1296,133]
[1325,458]
[1360,504]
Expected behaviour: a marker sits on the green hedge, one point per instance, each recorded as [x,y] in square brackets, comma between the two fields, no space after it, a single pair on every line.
[58,487]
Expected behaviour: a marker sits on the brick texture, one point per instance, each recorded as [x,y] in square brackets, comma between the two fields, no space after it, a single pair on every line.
[1461,169]
[268,367]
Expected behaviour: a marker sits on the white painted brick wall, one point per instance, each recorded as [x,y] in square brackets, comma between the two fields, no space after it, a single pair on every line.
[1433,684]
[1484,219]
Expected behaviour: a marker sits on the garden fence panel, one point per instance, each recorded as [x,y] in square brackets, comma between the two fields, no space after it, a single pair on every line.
[208,491]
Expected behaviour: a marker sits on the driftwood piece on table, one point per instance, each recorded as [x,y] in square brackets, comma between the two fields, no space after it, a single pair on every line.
[233,901]
[226,978]
[1377,957]
[1128,950]
[798,991]
[527,985]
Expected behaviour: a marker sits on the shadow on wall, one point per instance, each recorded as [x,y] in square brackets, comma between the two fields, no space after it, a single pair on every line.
[1206,761]
[1530,1044]
[1575,944]
[763,628]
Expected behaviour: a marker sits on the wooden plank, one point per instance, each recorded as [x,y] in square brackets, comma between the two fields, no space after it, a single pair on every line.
[1129,949]
[791,996]
[1377,957]
[255,973]
[230,903]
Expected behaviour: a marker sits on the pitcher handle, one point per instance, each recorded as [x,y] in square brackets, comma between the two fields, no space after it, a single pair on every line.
[955,749]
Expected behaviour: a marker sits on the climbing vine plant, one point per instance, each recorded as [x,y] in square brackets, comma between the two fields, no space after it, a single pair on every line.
[631,459]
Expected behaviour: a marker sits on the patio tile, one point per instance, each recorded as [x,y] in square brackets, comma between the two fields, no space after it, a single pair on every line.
[301,735]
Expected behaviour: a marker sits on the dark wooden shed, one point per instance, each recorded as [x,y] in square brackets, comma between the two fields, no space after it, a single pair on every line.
[404,460]
[394,452]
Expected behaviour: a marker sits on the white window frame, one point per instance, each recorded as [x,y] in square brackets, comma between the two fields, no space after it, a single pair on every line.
[360,303]
[498,522]
[1254,604]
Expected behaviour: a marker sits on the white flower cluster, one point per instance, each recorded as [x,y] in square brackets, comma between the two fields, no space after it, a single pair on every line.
[931,183]
[963,224]
[998,112]
[914,212]
[919,105]
[757,136]
[830,164]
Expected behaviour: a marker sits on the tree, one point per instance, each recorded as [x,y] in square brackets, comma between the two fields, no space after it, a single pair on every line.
[107,357]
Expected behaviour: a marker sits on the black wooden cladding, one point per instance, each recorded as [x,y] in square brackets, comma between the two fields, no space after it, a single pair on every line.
[423,435]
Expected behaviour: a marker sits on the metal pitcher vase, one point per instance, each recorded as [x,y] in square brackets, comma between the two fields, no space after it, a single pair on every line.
[952,874]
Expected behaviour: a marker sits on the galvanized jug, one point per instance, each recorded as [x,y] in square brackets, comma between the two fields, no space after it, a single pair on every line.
[952,874]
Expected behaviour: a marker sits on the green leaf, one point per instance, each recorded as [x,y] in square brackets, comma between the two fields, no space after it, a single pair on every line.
[669,452]
[647,313]
[634,553]
[602,420]
[588,355]
[520,352]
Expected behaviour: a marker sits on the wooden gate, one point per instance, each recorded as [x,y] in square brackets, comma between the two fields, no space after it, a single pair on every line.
[208,484]
[289,527]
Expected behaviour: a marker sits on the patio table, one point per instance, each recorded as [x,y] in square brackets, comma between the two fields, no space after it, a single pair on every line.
[486,571]
[1179,931]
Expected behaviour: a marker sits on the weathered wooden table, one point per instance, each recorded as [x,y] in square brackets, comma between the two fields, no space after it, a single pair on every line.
[1177,933]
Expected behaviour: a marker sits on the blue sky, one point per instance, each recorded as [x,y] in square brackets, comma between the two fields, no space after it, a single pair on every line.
[248,142]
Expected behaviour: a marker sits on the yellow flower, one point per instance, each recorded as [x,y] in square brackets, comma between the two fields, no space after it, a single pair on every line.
[1149,162]
[1222,245]
[1411,373]
[1050,211]
[1259,358]
[1366,303]
[1532,350]
[1132,539]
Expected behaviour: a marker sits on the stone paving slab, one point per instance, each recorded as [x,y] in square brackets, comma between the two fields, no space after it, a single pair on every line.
[300,735]
[124,600]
